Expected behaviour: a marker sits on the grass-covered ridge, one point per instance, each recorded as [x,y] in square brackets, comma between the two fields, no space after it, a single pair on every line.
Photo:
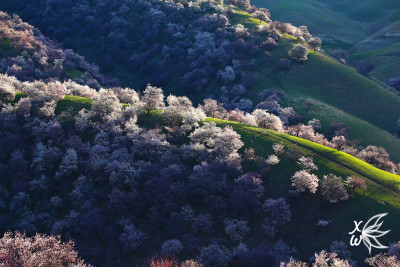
[308,209]
[383,186]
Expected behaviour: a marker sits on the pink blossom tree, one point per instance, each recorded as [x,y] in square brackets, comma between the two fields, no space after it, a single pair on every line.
[40,250]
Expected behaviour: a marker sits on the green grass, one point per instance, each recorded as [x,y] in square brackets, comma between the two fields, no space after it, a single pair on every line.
[74,73]
[362,131]
[385,60]
[338,88]
[76,103]
[318,17]
[18,96]
[5,47]
[338,85]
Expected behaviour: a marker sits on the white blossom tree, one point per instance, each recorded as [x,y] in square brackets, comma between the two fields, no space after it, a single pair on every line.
[106,104]
[338,142]
[213,109]
[206,134]
[40,250]
[267,120]
[305,181]
[227,142]
[241,31]
[153,98]
[307,163]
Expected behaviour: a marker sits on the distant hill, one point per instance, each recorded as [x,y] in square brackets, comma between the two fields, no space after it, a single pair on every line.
[362,27]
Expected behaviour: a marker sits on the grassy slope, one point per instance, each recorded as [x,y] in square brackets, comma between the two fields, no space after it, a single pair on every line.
[334,86]
[341,92]
[308,209]
[346,20]
[368,133]
[329,81]
[318,18]
[357,25]
[385,60]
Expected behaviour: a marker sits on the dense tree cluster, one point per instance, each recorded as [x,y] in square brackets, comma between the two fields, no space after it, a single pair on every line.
[28,55]
[195,40]
[135,173]
[99,177]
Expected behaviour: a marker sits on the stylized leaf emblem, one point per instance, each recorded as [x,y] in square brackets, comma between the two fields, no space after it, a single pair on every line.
[371,232]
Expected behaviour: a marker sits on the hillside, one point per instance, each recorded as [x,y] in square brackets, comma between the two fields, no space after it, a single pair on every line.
[382,195]
[335,161]
[339,93]
[337,88]
[367,29]
[375,200]
[346,22]
[222,138]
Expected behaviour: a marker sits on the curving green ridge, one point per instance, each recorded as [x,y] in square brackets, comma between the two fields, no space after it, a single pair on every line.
[383,186]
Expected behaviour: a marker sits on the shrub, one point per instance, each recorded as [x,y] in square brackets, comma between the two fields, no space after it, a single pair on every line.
[315,43]
[236,229]
[267,120]
[383,259]
[332,188]
[214,255]
[7,93]
[157,261]
[299,52]
[278,148]
[278,211]
[172,247]
[307,163]
[356,182]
